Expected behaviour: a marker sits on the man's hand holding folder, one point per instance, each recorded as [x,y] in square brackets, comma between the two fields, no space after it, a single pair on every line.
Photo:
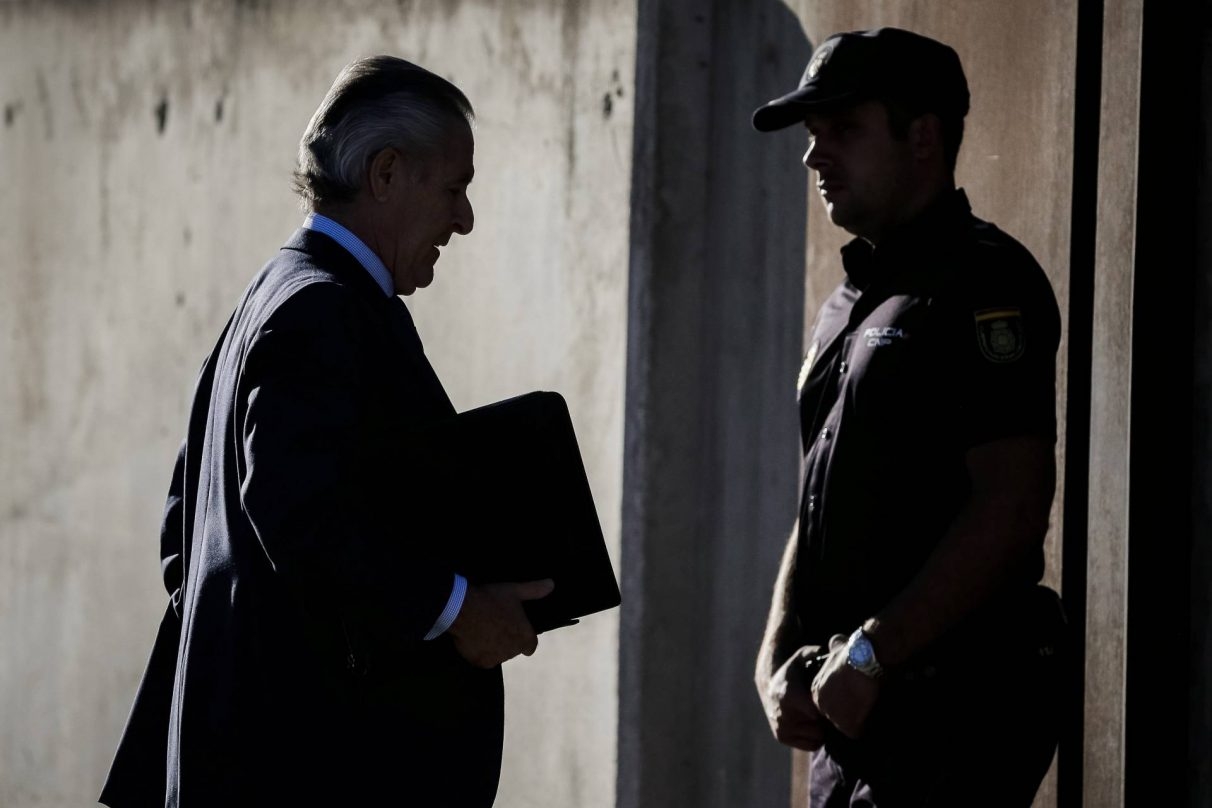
[506,486]
[492,627]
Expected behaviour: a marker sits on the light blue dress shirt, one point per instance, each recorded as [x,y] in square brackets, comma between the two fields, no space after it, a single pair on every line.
[378,271]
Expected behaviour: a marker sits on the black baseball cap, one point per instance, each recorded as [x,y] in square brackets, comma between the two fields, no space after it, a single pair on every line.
[885,63]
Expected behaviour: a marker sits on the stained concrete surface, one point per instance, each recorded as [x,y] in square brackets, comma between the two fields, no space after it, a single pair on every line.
[1110,414]
[145,152]
[712,430]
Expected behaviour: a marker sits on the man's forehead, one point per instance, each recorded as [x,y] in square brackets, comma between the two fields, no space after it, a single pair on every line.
[457,156]
[848,111]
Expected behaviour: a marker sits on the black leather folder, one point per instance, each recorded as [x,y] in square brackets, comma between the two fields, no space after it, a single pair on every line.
[506,486]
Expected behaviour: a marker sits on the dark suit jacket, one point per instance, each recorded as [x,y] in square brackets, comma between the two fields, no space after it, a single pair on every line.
[290,667]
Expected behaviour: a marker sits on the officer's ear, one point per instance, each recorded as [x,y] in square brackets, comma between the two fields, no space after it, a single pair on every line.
[926,136]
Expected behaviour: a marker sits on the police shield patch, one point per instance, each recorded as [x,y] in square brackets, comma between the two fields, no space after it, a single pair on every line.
[999,332]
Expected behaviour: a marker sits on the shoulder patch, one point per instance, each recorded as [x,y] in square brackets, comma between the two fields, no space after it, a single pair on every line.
[999,333]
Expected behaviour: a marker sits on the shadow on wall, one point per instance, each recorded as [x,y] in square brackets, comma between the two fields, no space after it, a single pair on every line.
[712,446]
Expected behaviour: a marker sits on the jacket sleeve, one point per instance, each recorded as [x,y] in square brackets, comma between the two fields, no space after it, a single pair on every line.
[172,533]
[315,454]
[177,523]
[137,775]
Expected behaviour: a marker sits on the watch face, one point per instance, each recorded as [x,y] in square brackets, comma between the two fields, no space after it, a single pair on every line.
[860,652]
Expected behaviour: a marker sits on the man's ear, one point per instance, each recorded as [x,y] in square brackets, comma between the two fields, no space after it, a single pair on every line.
[926,136]
[386,172]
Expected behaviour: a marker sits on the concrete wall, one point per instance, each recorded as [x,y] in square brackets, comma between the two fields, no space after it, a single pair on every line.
[712,431]
[145,151]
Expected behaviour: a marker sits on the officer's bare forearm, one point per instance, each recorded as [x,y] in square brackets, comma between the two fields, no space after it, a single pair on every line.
[782,636]
[998,532]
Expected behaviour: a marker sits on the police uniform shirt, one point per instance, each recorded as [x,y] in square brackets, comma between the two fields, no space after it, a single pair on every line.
[939,340]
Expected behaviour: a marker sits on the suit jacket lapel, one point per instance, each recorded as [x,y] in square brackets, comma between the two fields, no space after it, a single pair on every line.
[406,334]
[407,348]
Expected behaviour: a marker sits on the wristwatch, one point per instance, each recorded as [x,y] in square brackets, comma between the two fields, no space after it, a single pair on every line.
[861,656]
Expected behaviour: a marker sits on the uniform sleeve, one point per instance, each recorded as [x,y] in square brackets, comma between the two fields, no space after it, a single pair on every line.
[1005,332]
[311,483]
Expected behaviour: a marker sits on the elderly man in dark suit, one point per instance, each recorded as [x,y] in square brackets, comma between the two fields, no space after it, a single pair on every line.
[317,648]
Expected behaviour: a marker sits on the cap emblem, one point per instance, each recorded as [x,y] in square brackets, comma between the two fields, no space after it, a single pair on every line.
[818,60]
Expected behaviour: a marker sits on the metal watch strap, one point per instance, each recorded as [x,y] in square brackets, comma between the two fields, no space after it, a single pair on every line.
[860,655]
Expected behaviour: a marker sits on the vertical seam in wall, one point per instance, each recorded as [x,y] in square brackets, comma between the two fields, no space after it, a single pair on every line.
[629,774]
[1122,20]
[1083,222]
[1129,370]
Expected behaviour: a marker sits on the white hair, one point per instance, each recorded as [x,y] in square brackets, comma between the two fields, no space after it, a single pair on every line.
[374,104]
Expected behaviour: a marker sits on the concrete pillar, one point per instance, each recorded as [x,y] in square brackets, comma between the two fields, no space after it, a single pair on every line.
[1087,100]
[1107,588]
[145,157]
[711,445]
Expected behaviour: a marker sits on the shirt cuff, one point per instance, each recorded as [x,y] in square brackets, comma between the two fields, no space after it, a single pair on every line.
[448,615]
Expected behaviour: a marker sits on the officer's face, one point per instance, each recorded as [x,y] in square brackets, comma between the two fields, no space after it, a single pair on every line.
[425,206]
[863,173]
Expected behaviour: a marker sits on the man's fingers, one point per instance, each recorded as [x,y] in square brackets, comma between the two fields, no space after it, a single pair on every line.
[809,741]
[805,744]
[796,725]
[497,629]
[792,723]
[533,590]
[837,641]
[853,733]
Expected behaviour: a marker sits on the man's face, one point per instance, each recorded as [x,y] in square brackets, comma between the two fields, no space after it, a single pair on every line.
[863,173]
[425,208]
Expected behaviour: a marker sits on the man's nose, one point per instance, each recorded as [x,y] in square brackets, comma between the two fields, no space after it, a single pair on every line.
[815,157]
[465,218]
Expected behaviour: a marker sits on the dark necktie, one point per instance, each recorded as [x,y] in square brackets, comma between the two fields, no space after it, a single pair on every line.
[406,333]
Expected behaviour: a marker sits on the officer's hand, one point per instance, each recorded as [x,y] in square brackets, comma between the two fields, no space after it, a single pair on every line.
[787,699]
[492,627]
[844,695]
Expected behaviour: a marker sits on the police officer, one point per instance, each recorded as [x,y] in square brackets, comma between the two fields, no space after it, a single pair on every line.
[908,638]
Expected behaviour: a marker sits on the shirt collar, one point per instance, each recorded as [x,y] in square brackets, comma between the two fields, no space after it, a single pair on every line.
[355,246]
[864,262]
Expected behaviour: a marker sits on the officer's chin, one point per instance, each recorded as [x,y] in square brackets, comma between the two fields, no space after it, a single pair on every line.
[848,223]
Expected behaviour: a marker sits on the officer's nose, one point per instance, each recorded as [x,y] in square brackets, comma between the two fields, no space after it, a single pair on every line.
[815,157]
